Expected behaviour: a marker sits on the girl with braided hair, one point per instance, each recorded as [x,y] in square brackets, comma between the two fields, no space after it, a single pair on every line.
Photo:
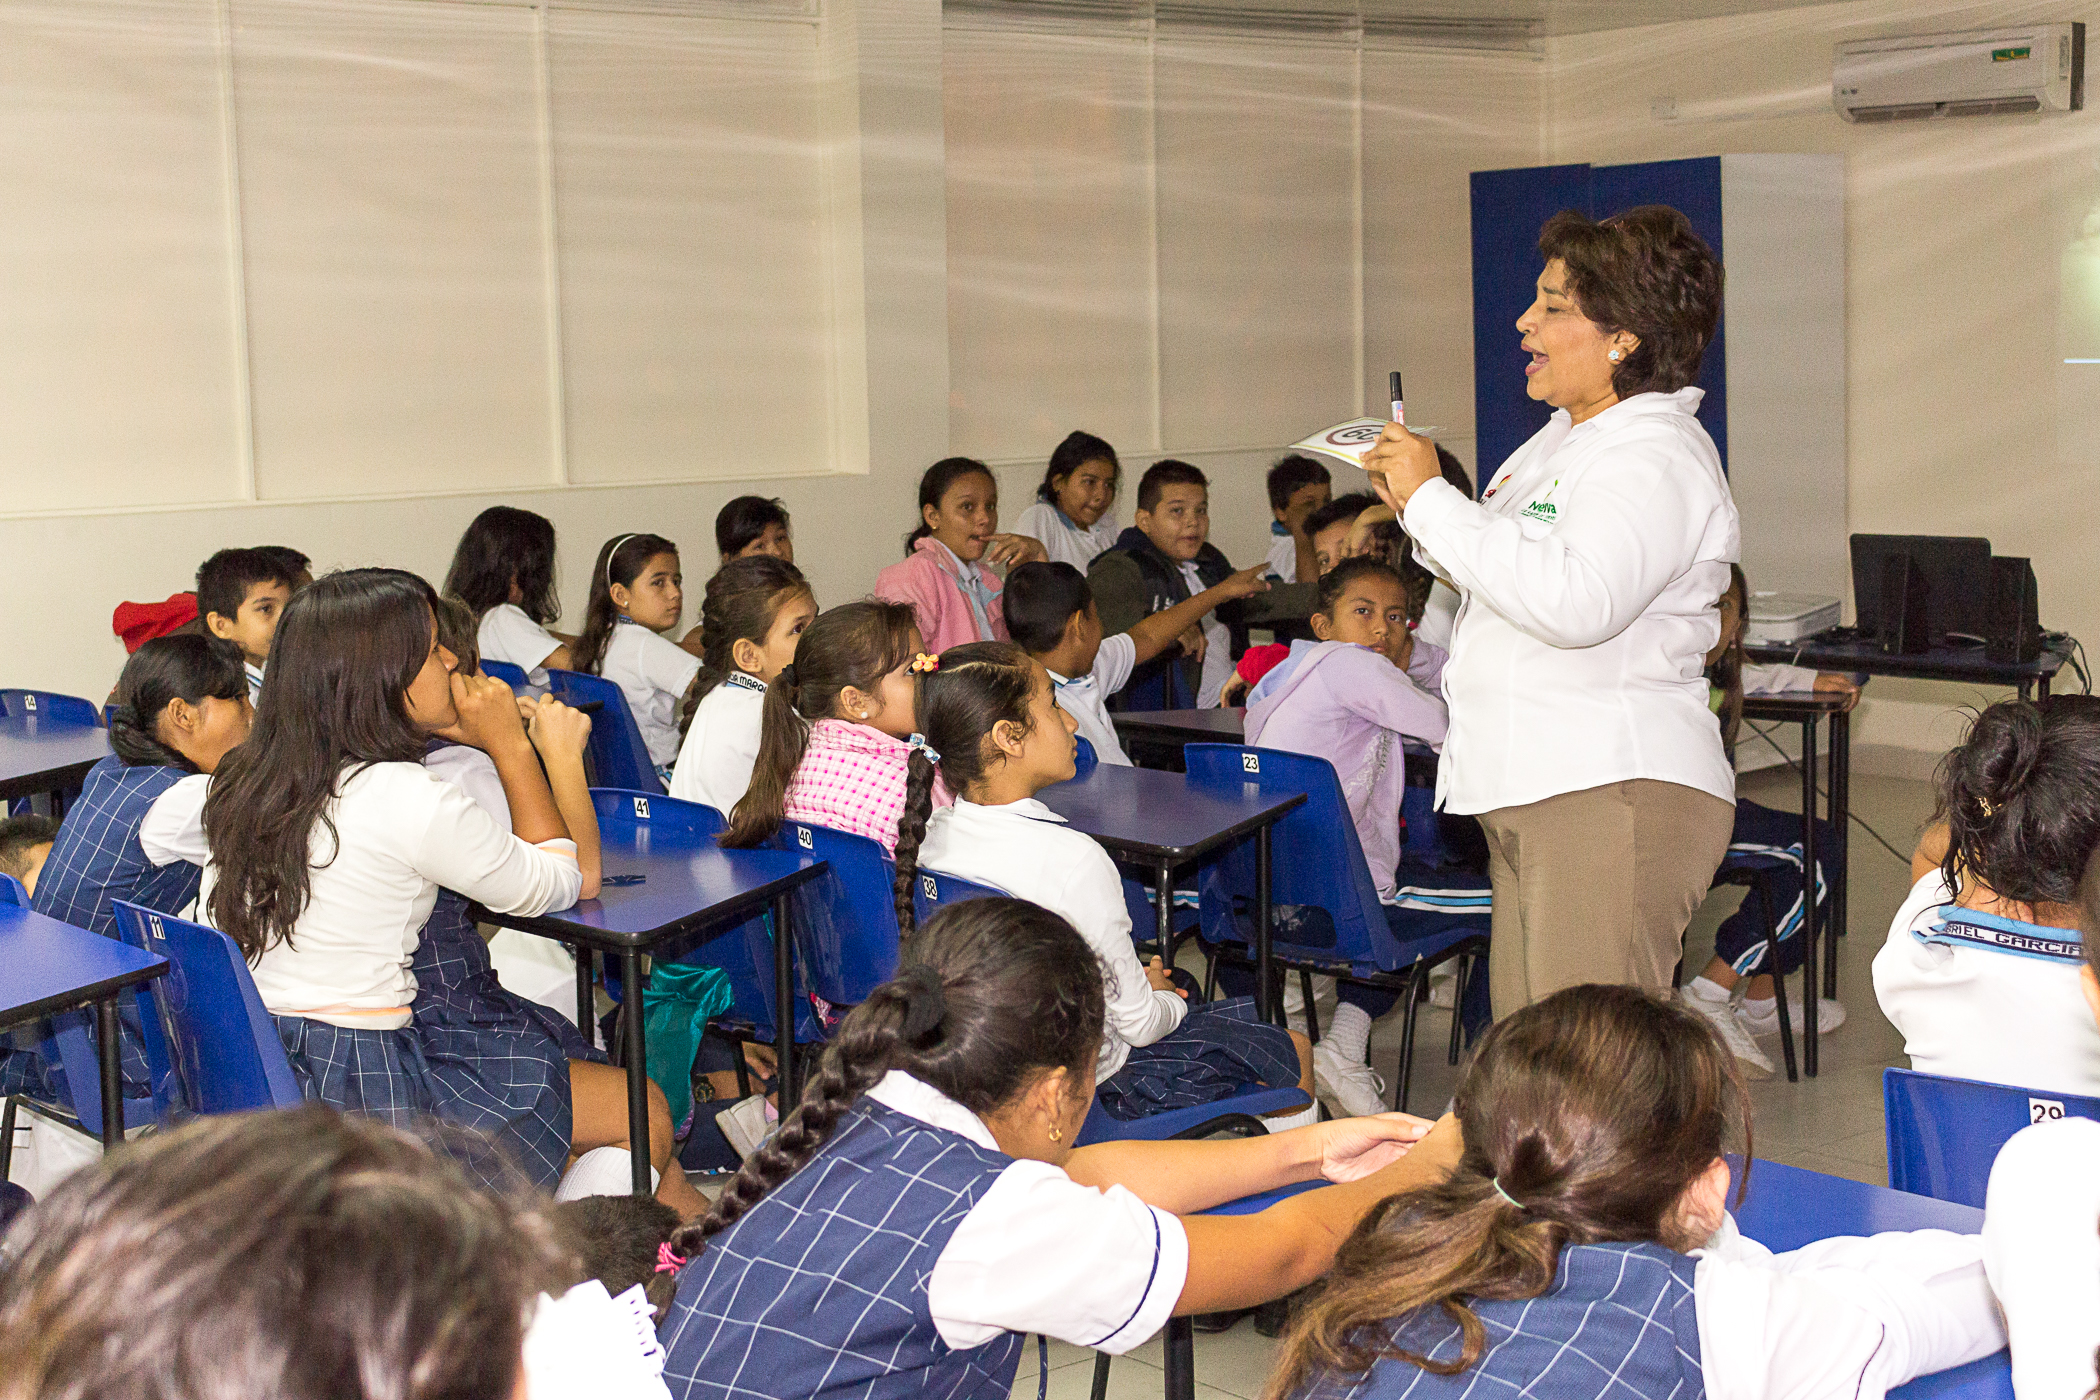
[1582,1249]
[924,1208]
[997,735]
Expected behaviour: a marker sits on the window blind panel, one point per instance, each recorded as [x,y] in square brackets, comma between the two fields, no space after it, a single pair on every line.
[689,178]
[1050,308]
[397,277]
[1256,241]
[117,329]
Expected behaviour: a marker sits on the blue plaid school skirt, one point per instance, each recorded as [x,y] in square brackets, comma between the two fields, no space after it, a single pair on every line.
[1217,1050]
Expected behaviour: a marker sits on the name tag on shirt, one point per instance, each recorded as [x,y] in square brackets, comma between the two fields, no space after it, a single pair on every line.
[1959,932]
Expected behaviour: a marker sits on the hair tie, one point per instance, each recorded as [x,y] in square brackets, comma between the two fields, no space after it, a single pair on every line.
[1496,1182]
[668,1260]
[613,551]
[1985,806]
[925,1002]
[787,676]
[918,741]
[925,664]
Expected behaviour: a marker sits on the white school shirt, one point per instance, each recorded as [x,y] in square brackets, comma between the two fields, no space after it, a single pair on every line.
[1974,1012]
[402,833]
[2041,1248]
[1438,615]
[255,674]
[1041,1253]
[1841,1319]
[1778,679]
[1064,541]
[506,634]
[1217,656]
[1282,562]
[1590,569]
[1026,849]
[653,674]
[714,764]
[1085,698]
[474,773]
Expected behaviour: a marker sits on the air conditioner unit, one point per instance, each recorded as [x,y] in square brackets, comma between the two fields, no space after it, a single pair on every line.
[2035,68]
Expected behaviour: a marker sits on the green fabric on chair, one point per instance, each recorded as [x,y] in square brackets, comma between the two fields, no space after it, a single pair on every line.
[676,1006]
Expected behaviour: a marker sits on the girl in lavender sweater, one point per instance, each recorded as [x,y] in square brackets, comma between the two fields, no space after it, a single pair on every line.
[1351,698]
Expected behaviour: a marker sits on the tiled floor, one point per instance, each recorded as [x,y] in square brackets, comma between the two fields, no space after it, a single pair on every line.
[1831,1123]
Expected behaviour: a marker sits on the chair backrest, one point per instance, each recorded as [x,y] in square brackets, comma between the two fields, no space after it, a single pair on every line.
[42,704]
[1943,1134]
[12,892]
[1316,863]
[512,676]
[1424,842]
[619,758]
[212,1032]
[846,932]
[744,952]
[1084,759]
[933,891]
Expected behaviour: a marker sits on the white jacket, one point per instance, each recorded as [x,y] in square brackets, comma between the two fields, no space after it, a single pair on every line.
[1590,569]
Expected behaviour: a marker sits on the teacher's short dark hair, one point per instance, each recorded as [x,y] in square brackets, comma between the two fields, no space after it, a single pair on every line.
[1645,271]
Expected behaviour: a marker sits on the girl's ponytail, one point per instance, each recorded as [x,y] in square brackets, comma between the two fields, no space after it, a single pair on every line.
[742,601]
[911,830]
[783,735]
[2021,798]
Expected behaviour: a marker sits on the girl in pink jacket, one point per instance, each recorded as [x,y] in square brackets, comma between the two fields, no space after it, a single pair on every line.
[945,575]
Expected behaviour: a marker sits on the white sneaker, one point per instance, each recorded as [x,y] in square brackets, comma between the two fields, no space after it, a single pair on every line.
[1720,1014]
[1443,987]
[747,1124]
[602,1171]
[1353,1087]
[1762,1017]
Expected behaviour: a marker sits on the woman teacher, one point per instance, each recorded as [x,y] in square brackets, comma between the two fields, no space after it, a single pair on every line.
[1588,572]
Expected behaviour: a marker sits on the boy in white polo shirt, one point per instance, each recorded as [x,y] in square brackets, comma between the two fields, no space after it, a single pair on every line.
[1050,612]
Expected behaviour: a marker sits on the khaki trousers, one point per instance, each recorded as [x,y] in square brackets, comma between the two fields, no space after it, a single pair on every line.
[1598,885]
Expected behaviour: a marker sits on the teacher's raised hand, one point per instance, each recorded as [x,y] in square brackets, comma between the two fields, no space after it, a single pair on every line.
[1399,463]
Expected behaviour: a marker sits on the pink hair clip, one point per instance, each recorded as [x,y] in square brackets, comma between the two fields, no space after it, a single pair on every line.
[925,664]
[668,1260]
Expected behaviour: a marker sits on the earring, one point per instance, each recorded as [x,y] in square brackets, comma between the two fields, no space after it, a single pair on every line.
[1057,1135]
[1616,356]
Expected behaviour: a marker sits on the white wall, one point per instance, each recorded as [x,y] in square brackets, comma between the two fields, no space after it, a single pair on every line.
[1962,418]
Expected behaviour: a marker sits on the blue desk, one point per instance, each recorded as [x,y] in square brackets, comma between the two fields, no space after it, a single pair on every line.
[691,887]
[43,755]
[47,967]
[1159,820]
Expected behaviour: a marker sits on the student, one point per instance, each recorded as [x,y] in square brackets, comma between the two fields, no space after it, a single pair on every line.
[1342,699]
[1328,527]
[182,705]
[1739,943]
[240,595]
[1073,510]
[835,743]
[924,1208]
[304,1256]
[1163,559]
[1590,1201]
[946,575]
[1050,611]
[1438,611]
[328,842]
[624,1242]
[1980,970]
[297,567]
[25,844]
[995,731]
[753,616]
[752,525]
[637,592]
[1298,486]
[2041,1245]
[504,570]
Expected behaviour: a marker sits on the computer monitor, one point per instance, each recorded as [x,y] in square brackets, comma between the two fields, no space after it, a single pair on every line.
[1951,571]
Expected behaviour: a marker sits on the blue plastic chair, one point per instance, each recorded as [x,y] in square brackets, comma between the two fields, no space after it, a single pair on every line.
[212,1032]
[1084,759]
[43,704]
[619,758]
[934,892]
[1325,914]
[1944,1134]
[512,676]
[846,932]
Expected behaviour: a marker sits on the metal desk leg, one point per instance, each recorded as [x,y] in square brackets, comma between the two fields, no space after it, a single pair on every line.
[1808,897]
[1263,1001]
[586,1004]
[1181,1358]
[1835,926]
[637,1056]
[112,1080]
[787,1091]
[1163,910]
